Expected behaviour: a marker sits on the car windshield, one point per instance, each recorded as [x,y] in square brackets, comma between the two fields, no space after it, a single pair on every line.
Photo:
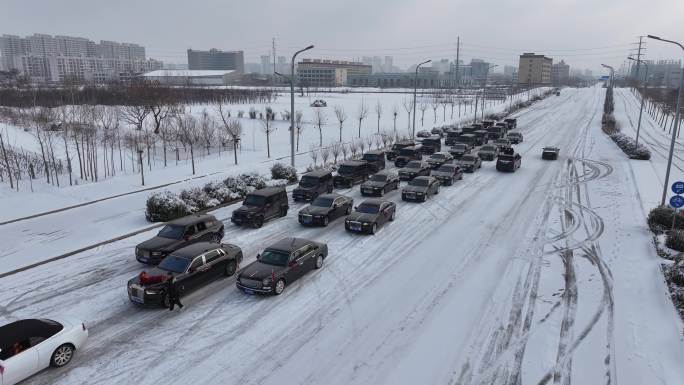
[407,152]
[438,156]
[513,134]
[413,165]
[323,202]
[371,157]
[506,157]
[174,263]
[468,158]
[346,169]
[254,200]
[419,182]
[274,257]
[459,146]
[378,178]
[171,232]
[488,148]
[308,181]
[446,168]
[549,149]
[368,208]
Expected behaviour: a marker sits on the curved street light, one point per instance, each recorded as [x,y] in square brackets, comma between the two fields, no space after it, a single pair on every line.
[643,96]
[415,90]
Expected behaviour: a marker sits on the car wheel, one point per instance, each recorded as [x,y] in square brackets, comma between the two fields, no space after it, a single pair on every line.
[283,212]
[231,268]
[319,262]
[279,287]
[258,222]
[216,238]
[166,301]
[62,355]
[325,221]
[374,228]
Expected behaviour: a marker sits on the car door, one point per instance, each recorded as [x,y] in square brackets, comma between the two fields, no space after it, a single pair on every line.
[308,259]
[294,270]
[20,366]
[202,233]
[270,209]
[190,235]
[196,276]
[214,264]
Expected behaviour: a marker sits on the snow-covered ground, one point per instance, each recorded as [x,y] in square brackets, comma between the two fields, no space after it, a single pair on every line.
[546,275]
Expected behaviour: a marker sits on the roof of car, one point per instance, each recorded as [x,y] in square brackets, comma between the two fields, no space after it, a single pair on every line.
[268,191]
[196,249]
[355,163]
[317,173]
[192,219]
[441,153]
[289,244]
[375,152]
[423,177]
[405,142]
[514,133]
[20,330]
[385,172]
[374,201]
[331,196]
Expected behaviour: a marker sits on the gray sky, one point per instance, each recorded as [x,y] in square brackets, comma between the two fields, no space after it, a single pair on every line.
[584,33]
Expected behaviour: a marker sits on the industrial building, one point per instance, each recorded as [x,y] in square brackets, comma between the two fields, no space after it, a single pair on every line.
[534,70]
[216,60]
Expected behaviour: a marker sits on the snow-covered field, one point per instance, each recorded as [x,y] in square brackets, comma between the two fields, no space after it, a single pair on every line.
[543,276]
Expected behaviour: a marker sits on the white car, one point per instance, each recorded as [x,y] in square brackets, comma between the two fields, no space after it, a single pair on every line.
[31,345]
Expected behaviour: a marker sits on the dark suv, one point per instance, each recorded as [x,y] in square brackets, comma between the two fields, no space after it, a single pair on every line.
[408,154]
[177,234]
[394,151]
[351,173]
[512,123]
[313,184]
[431,145]
[452,136]
[375,159]
[260,206]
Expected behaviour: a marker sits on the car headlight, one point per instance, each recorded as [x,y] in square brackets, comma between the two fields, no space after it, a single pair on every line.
[151,292]
[266,281]
[157,254]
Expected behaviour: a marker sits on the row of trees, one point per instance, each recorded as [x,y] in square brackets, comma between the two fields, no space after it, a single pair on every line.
[661,104]
[341,151]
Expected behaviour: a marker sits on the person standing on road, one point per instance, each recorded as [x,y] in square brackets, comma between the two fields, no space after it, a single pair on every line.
[172,293]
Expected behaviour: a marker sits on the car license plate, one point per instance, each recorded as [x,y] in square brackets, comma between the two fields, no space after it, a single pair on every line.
[410,195]
[142,259]
[355,226]
[137,299]
[368,190]
[307,219]
[249,291]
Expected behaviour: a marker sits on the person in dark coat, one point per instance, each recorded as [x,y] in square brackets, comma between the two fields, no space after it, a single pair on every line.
[172,292]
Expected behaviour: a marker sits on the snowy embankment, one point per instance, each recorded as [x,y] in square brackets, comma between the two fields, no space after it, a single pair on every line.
[543,274]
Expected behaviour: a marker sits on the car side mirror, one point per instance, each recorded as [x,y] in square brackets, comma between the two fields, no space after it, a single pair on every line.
[356,207]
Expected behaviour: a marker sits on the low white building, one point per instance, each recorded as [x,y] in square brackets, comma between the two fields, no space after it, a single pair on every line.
[193,77]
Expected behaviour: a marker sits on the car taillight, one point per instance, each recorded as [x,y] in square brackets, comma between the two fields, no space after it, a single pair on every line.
[2,369]
[83,326]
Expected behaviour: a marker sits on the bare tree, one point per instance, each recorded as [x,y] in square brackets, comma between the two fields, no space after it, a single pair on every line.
[408,106]
[369,141]
[7,162]
[345,151]
[313,153]
[325,155]
[135,115]
[362,113]
[299,125]
[395,113]
[231,127]
[434,103]
[362,145]
[268,128]
[319,121]
[378,112]
[444,101]
[207,130]
[336,150]
[354,147]
[186,129]
[341,117]
[423,107]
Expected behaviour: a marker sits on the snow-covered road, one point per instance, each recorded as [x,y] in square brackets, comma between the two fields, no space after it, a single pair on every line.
[542,276]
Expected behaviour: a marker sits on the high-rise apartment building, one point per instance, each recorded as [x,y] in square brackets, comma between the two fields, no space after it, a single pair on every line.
[216,60]
[329,73]
[534,70]
[560,73]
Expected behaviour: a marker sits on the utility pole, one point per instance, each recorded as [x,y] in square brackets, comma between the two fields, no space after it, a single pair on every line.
[638,58]
[458,51]
[274,55]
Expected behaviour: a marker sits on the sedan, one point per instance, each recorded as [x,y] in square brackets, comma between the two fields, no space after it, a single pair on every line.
[370,215]
[515,137]
[448,173]
[470,163]
[380,183]
[488,152]
[325,208]
[420,189]
[413,169]
[439,158]
[30,345]
[459,149]
[281,264]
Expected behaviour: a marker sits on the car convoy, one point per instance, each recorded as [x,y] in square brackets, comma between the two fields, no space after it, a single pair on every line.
[188,253]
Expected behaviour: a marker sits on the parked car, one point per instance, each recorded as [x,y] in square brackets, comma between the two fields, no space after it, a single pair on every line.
[281,264]
[448,173]
[481,137]
[512,123]
[260,206]
[488,152]
[375,159]
[190,268]
[451,136]
[460,149]
[437,131]
[420,189]
[319,103]
[515,137]
[408,154]
[439,158]
[508,161]
[470,163]
[313,184]
[350,173]
[496,132]
[431,145]
[475,127]
[325,209]
[392,153]
[550,153]
[42,343]
[469,139]
[487,123]
[380,183]
[502,144]
[179,233]
[413,169]
[423,134]
[370,215]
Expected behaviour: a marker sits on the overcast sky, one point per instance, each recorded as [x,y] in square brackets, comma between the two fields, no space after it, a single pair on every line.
[585,33]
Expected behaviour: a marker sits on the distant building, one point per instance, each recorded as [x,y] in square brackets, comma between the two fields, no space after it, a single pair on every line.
[329,73]
[534,70]
[478,70]
[425,79]
[389,64]
[193,77]
[266,67]
[661,73]
[560,73]
[215,60]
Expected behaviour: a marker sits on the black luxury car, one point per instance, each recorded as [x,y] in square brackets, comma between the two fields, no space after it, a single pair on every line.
[512,123]
[514,137]
[488,152]
[508,161]
[502,144]
[179,233]
[351,172]
[550,153]
[281,264]
[451,136]
[420,189]
[394,151]
[439,158]
[431,144]
[370,215]
[325,209]
[190,268]
[470,163]
[413,169]
[375,159]
[313,184]
[260,206]
[380,183]
[448,173]
[408,154]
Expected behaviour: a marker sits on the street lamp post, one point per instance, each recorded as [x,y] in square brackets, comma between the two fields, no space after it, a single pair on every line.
[678,116]
[292,111]
[415,91]
[484,89]
[643,96]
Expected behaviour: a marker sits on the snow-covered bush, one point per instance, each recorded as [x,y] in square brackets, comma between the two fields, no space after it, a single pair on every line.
[282,171]
[197,200]
[327,167]
[253,179]
[276,183]
[674,275]
[675,240]
[220,192]
[662,218]
[165,206]
[628,146]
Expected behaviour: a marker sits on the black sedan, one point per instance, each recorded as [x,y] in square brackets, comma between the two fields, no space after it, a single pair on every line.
[420,189]
[413,169]
[470,163]
[459,149]
[325,208]
[370,215]
[189,268]
[439,158]
[488,152]
[448,173]
[380,183]
[550,153]
[281,264]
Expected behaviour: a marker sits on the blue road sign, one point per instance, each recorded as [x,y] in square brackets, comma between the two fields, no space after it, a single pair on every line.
[678,187]
[677,201]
